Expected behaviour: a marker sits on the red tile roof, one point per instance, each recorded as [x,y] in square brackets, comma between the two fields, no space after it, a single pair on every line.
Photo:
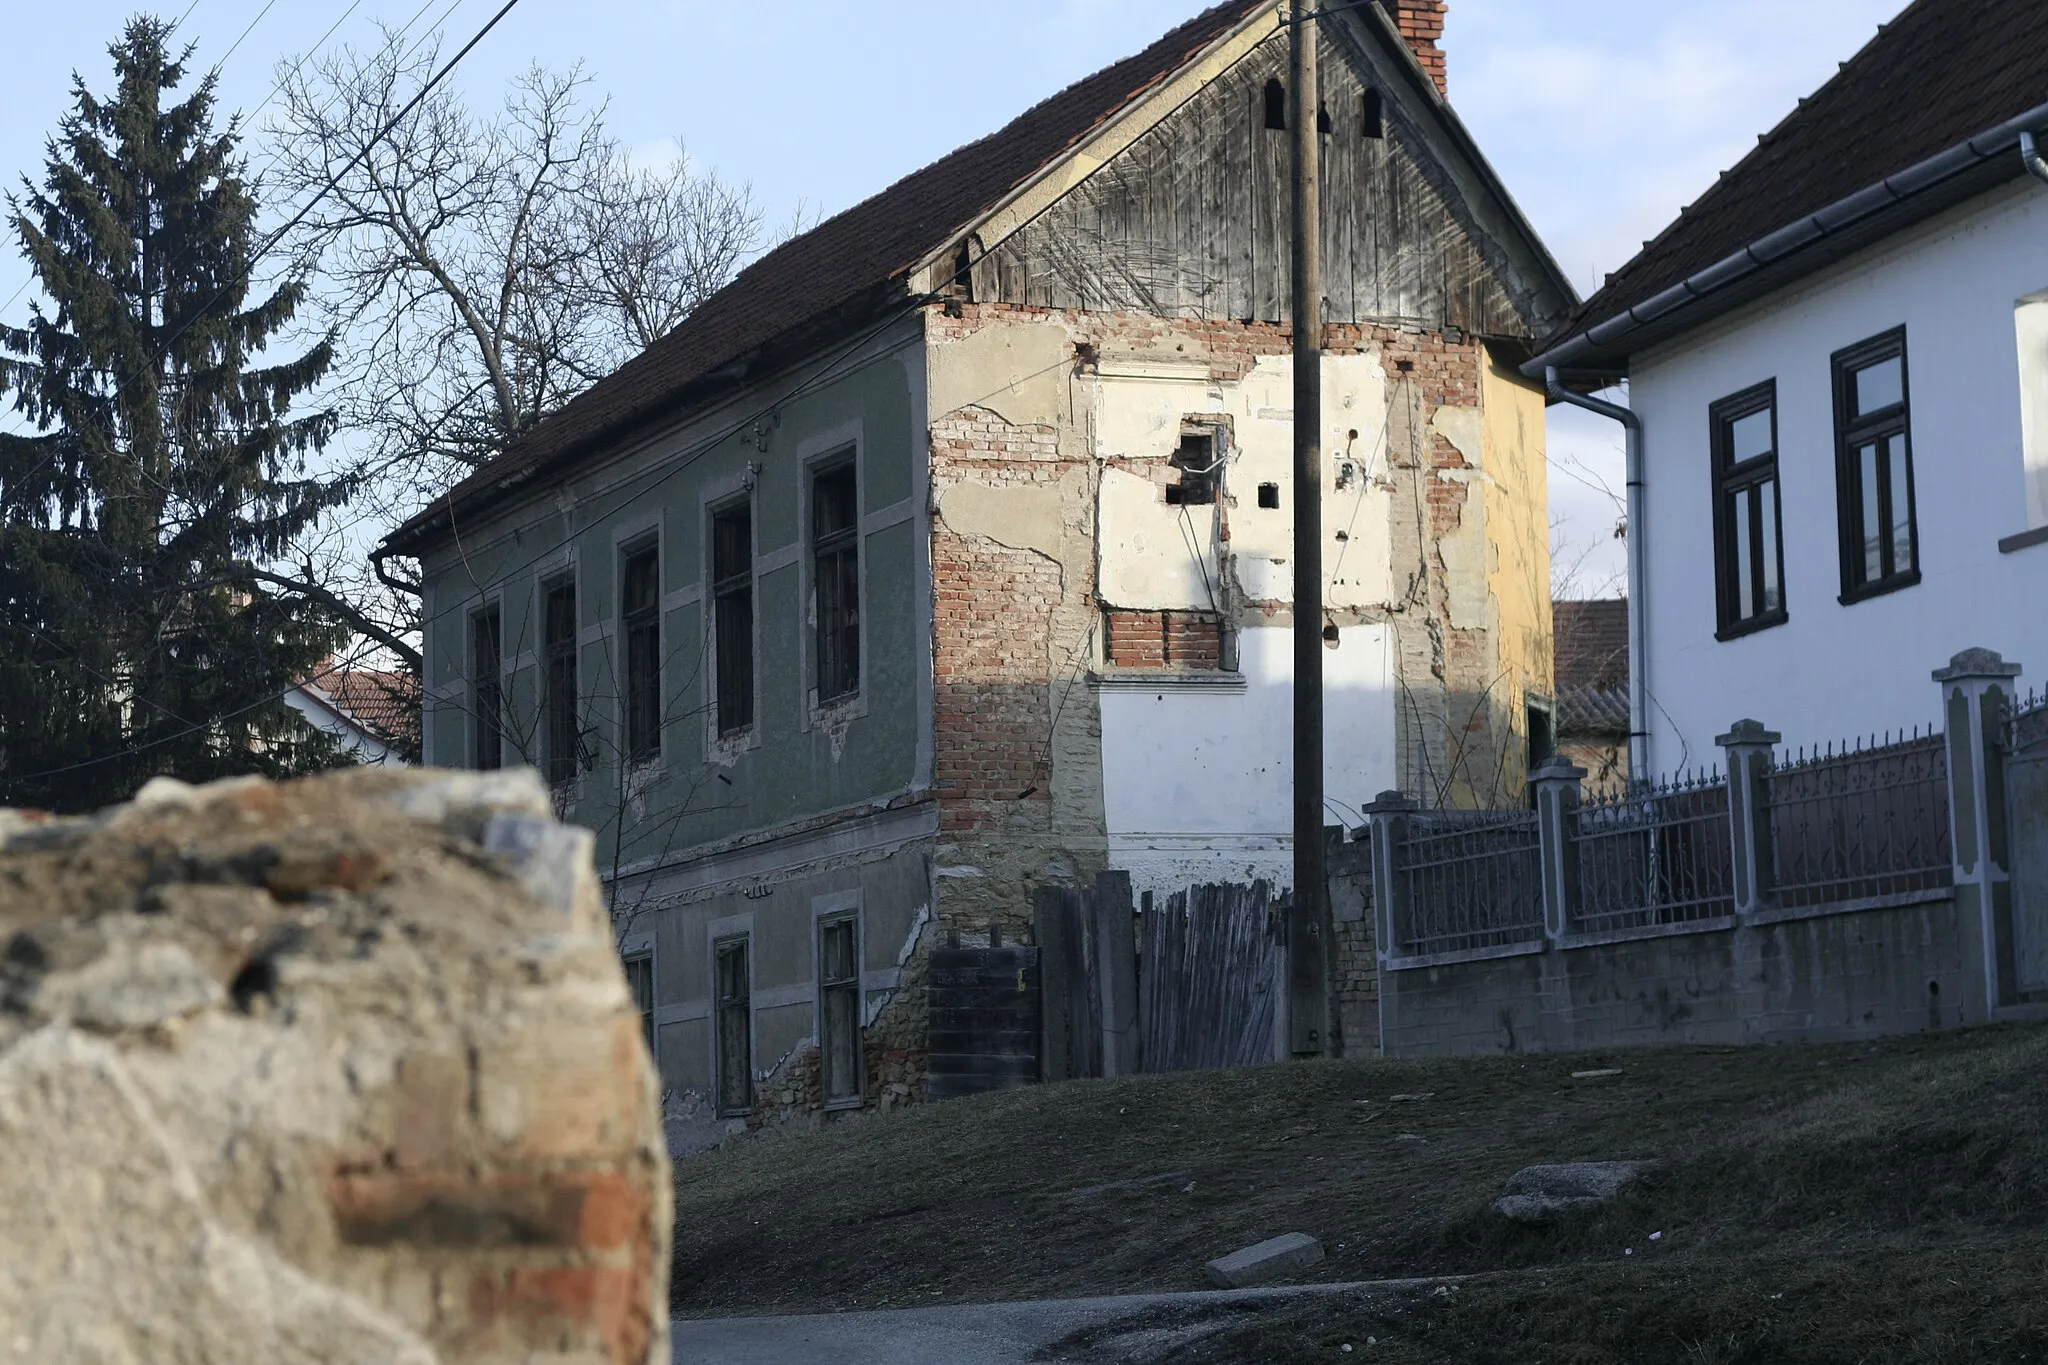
[841,264]
[1940,73]
[1591,666]
[385,704]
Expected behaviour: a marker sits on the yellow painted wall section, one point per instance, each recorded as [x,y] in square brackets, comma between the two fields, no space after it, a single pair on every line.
[1517,527]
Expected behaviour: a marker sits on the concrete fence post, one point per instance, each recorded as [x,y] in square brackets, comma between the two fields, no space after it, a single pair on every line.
[1977,693]
[1751,752]
[1556,786]
[1389,825]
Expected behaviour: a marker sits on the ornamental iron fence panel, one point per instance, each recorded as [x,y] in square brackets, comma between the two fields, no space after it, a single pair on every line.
[1860,823]
[1469,880]
[1654,855]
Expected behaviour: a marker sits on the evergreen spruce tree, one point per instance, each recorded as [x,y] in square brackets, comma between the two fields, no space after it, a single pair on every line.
[166,461]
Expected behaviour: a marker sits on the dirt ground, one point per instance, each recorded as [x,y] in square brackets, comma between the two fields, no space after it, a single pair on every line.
[1857,1202]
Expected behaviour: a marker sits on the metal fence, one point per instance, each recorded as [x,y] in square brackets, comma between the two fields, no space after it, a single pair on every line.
[1468,881]
[2028,722]
[1860,823]
[1654,855]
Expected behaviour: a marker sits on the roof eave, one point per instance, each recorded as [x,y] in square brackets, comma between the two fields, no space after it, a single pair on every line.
[1796,249]
[432,525]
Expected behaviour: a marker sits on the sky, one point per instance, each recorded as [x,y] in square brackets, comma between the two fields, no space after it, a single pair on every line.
[1603,117]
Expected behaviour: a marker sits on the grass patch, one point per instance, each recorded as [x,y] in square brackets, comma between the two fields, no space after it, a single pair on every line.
[1866,1169]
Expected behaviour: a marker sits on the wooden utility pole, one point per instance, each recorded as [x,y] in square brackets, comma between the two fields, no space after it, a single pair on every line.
[1311,888]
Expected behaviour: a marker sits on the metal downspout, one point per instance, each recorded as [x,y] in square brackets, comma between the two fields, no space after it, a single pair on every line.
[2030,157]
[1638,578]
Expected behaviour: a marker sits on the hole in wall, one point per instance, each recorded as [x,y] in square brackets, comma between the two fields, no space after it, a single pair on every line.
[258,978]
[1276,105]
[1375,115]
[1269,495]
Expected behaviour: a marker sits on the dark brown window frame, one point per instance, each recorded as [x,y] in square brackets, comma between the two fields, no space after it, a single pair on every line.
[732,620]
[639,967]
[836,591]
[732,1025]
[640,633]
[487,687]
[1732,478]
[839,1008]
[1853,432]
[561,731]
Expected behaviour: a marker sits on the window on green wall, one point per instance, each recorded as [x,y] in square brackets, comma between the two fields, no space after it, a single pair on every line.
[732,614]
[640,613]
[734,1038]
[835,564]
[562,736]
[486,688]
[841,1059]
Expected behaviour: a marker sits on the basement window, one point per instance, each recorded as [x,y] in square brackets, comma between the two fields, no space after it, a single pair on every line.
[839,1051]
[1269,496]
[1199,460]
[735,1040]
[1276,105]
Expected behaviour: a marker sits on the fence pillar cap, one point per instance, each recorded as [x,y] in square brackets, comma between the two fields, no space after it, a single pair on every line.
[1391,803]
[1558,768]
[1976,663]
[1749,732]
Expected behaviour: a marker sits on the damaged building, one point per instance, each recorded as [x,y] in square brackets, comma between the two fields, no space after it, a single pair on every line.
[944,554]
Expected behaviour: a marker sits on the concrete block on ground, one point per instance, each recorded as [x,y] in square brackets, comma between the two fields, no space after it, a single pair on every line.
[1537,1194]
[1271,1260]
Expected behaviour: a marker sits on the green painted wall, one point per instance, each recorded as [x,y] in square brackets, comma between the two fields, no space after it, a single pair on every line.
[697,795]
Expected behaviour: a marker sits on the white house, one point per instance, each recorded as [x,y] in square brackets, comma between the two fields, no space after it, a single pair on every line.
[1838,363]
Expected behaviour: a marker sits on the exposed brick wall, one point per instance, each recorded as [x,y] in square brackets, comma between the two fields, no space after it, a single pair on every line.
[1162,639]
[1422,23]
[1016,629]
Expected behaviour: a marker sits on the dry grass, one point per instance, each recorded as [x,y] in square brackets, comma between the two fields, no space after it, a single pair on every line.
[1858,1181]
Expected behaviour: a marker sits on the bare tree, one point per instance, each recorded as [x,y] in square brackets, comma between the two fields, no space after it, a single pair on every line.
[479,270]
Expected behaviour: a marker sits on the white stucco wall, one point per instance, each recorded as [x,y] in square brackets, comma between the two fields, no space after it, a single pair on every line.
[1156,556]
[1198,772]
[1835,671]
[1198,779]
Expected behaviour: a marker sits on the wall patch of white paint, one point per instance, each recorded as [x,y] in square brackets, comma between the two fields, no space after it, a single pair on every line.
[1021,516]
[1357,506]
[1139,410]
[1155,556]
[1018,372]
[2031,324]
[1197,783]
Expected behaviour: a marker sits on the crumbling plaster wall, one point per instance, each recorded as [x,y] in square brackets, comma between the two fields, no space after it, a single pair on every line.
[1051,433]
[1471,567]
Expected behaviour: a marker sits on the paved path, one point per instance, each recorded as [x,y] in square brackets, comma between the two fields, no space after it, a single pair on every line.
[982,1334]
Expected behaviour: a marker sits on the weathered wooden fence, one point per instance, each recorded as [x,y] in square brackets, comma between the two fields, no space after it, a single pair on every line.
[1212,964]
[1213,976]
